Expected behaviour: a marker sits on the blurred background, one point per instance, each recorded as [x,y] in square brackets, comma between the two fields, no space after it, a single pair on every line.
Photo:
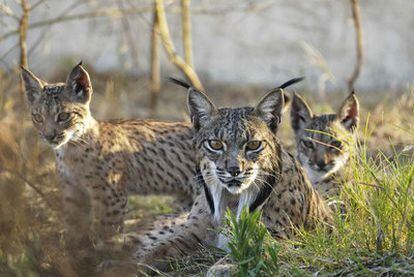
[234,50]
[240,42]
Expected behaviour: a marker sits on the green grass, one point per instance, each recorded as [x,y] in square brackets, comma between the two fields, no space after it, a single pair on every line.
[251,247]
[375,236]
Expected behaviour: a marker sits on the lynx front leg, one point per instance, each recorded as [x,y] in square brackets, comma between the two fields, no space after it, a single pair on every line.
[108,209]
[76,214]
[186,239]
[180,236]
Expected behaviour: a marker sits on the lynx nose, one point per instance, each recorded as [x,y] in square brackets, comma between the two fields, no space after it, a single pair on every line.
[234,171]
[50,137]
[321,164]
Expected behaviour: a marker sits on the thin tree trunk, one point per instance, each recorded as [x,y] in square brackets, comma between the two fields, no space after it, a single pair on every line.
[155,63]
[186,32]
[185,68]
[23,26]
[356,17]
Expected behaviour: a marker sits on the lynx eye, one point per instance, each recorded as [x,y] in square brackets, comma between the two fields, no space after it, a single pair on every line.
[37,118]
[63,117]
[337,145]
[215,145]
[307,144]
[253,145]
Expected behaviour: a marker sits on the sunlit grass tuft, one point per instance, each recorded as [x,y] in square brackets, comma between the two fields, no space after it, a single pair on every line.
[251,247]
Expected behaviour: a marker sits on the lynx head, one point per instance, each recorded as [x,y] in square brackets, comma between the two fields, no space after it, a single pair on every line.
[60,111]
[236,147]
[321,140]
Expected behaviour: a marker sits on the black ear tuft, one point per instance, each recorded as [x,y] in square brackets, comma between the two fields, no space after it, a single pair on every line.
[300,113]
[291,82]
[179,82]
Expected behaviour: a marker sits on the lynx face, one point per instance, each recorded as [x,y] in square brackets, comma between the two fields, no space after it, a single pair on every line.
[322,140]
[59,111]
[236,147]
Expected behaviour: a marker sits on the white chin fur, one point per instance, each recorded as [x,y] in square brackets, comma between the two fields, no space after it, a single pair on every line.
[68,137]
[316,176]
[216,189]
[246,184]
[237,190]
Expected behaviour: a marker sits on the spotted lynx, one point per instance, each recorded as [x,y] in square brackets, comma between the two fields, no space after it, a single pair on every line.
[105,161]
[240,163]
[323,141]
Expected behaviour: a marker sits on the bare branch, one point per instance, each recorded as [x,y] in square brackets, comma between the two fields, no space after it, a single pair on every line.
[23,26]
[170,49]
[129,38]
[110,12]
[186,32]
[7,11]
[155,85]
[38,3]
[356,17]
[30,184]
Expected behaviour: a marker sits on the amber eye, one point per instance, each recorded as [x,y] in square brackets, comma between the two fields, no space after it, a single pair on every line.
[337,145]
[63,117]
[215,144]
[253,145]
[37,118]
[307,144]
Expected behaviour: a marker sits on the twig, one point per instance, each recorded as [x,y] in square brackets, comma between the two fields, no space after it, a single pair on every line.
[8,12]
[112,12]
[155,62]
[128,36]
[40,38]
[186,32]
[23,26]
[31,185]
[170,49]
[356,16]
[35,5]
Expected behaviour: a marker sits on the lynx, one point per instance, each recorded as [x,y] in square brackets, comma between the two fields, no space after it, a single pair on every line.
[239,163]
[323,141]
[105,161]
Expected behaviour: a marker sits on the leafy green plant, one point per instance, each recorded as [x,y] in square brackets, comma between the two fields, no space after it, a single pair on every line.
[251,246]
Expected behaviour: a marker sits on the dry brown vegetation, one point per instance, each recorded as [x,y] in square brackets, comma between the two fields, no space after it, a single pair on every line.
[31,227]
[30,213]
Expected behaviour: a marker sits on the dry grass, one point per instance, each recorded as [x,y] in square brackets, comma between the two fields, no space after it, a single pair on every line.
[31,241]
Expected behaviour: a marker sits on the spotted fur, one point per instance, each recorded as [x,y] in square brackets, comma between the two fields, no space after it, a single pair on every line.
[100,163]
[323,142]
[269,179]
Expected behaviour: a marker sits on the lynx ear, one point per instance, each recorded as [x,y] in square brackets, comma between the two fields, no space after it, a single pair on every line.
[79,85]
[287,101]
[300,113]
[348,114]
[200,107]
[32,84]
[270,108]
